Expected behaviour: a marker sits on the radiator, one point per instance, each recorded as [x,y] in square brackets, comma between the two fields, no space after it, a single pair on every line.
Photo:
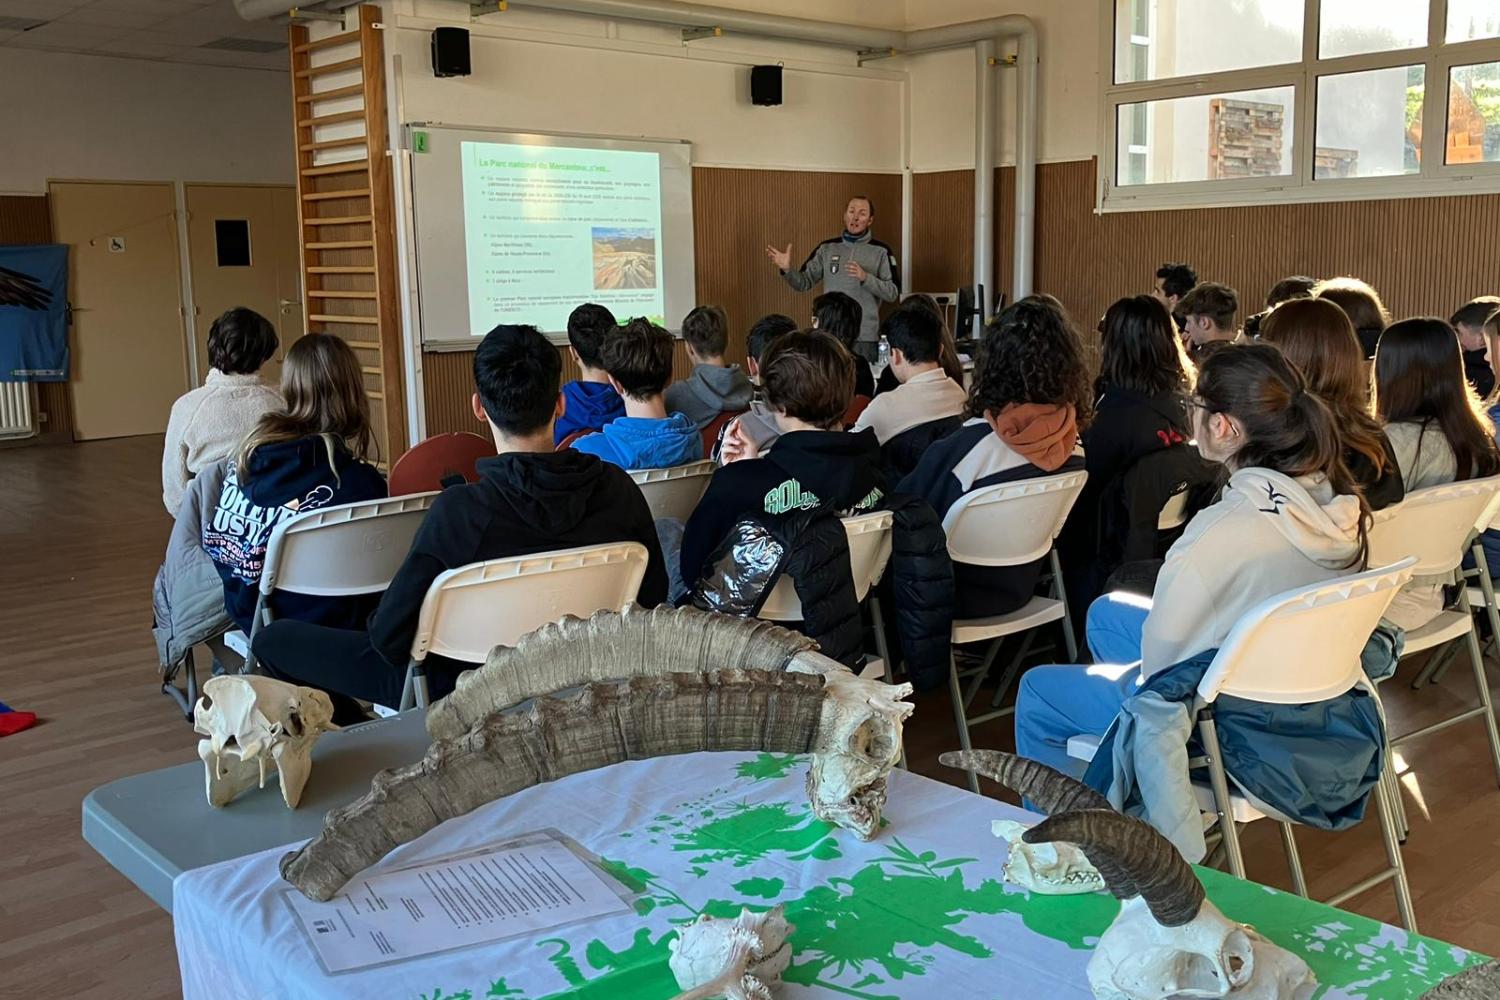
[16,418]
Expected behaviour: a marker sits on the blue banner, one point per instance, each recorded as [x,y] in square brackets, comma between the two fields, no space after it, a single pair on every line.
[34,313]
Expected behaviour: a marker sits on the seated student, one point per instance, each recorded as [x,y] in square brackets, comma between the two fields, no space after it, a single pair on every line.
[1361,304]
[926,404]
[1470,323]
[529,498]
[1291,515]
[589,402]
[757,425]
[638,358]
[809,379]
[1318,338]
[1141,409]
[714,387]
[839,315]
[1173,281]
[211,420]
[1207,313]
[1436,426]
[948,357]
[311,453]
[765,330]
[1029,397]
[1296,286]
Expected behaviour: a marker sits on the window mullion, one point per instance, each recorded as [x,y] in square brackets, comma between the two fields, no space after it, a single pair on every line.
[1435,92]
[1304,151]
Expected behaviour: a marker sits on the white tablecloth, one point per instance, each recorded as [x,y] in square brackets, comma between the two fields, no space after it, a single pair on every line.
[919,911]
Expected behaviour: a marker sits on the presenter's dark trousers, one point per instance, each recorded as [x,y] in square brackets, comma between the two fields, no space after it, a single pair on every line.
[343,663]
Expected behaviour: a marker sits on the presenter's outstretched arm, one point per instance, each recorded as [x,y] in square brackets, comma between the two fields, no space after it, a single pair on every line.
[801,278]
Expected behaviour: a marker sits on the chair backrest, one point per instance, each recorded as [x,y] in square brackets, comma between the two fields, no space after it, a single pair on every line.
[711,430]
[1304,645]
[354,548]
[856,407]
[424,467]
[1011,524]
[1434,525]
[901,454]
[470,610]
[869,551]
[1174,512]
[675,491]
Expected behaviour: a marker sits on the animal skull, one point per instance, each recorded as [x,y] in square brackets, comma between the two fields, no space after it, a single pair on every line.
[250,721]
[741,959]
[1050,869]
[1210,956]
[859,741]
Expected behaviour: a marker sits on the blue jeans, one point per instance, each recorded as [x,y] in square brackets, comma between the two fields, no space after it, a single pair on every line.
[1057,703]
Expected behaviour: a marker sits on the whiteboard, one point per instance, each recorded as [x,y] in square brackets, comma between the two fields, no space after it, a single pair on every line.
[520,227]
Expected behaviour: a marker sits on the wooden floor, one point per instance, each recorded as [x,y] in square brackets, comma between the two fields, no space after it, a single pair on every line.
[81,533]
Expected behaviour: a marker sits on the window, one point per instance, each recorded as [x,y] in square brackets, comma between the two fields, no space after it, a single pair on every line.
[1213,102]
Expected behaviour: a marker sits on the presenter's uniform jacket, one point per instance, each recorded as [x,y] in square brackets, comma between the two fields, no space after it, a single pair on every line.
[829,263]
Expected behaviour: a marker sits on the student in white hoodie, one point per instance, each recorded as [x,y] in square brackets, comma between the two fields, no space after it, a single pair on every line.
[1291,515]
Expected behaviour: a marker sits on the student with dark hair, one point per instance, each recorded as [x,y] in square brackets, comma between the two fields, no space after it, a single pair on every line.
[314,451]
[1208,311]
[529,498]
[715,386]
[208,422]
[1296,286]
[1029,399]
[1317,337]
[1470,322]
[808,379]
[948,357]
[638,358]
[589,403]
[925,392]
[1361,304]
[839,315]
[1437,428]
[1141,409]
[1291,515]
[1173,281]
[765,330]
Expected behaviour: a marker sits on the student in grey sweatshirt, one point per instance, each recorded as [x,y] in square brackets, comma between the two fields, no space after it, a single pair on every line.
[714,387]
[853,263]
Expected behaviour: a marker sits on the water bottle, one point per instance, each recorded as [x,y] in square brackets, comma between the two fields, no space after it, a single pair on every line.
[882,357]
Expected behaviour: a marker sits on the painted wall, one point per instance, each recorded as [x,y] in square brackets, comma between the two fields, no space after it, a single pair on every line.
[564,73]
[98,118]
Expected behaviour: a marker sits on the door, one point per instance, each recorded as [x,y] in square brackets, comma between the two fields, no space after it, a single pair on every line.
[129,358]
[242,251]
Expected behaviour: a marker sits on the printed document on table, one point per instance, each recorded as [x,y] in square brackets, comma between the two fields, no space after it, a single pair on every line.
[534,883]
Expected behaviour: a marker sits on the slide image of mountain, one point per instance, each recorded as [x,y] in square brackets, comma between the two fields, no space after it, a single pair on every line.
[624,258]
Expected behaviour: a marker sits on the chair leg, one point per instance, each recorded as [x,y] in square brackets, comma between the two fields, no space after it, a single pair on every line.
[878,620]
[1481,680]
[1393,796]
[1011,670]
[1436,665]
[1487,587]
[956,693]
[982,672]
[1061,593]
[1293,859]
[1393,856]
[1209,734]
[185,702]
[261,616]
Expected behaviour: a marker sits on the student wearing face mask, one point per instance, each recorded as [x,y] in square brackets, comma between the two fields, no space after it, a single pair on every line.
[854,263]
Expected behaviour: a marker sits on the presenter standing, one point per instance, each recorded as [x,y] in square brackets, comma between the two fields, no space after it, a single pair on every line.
[857,265]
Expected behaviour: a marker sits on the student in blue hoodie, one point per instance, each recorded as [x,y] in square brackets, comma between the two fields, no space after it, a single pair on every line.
[638,358]
[309,454]
[590,402]
[715,386]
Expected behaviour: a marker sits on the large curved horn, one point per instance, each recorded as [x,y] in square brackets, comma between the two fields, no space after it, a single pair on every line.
[614,645]
[1133,857]
[1479,983]
[1048,788]
[598,725]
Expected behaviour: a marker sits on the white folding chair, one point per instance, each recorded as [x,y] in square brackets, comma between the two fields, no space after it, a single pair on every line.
[869,552]
[1010,524]
[1435,526]
[470,610]
[1296,648]
[342,551]
[1482,590]
[673,492]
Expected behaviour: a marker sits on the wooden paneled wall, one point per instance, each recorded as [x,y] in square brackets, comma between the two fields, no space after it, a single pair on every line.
[27,219]
[736,213]
[1426,256]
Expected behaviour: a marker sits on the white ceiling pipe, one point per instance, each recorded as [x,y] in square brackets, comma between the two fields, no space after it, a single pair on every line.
[260,10]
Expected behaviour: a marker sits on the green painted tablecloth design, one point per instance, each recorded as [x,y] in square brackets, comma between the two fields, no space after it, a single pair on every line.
[874,933]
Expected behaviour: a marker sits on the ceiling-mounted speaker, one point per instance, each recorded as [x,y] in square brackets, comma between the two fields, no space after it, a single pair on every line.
[450,52]
[765,86]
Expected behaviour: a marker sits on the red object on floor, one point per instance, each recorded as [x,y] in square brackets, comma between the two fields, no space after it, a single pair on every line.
[14,722]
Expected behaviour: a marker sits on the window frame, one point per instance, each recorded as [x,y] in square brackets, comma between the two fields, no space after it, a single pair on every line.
[1434,177]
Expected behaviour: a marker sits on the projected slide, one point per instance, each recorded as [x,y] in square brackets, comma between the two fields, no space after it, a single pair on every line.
[549,227]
